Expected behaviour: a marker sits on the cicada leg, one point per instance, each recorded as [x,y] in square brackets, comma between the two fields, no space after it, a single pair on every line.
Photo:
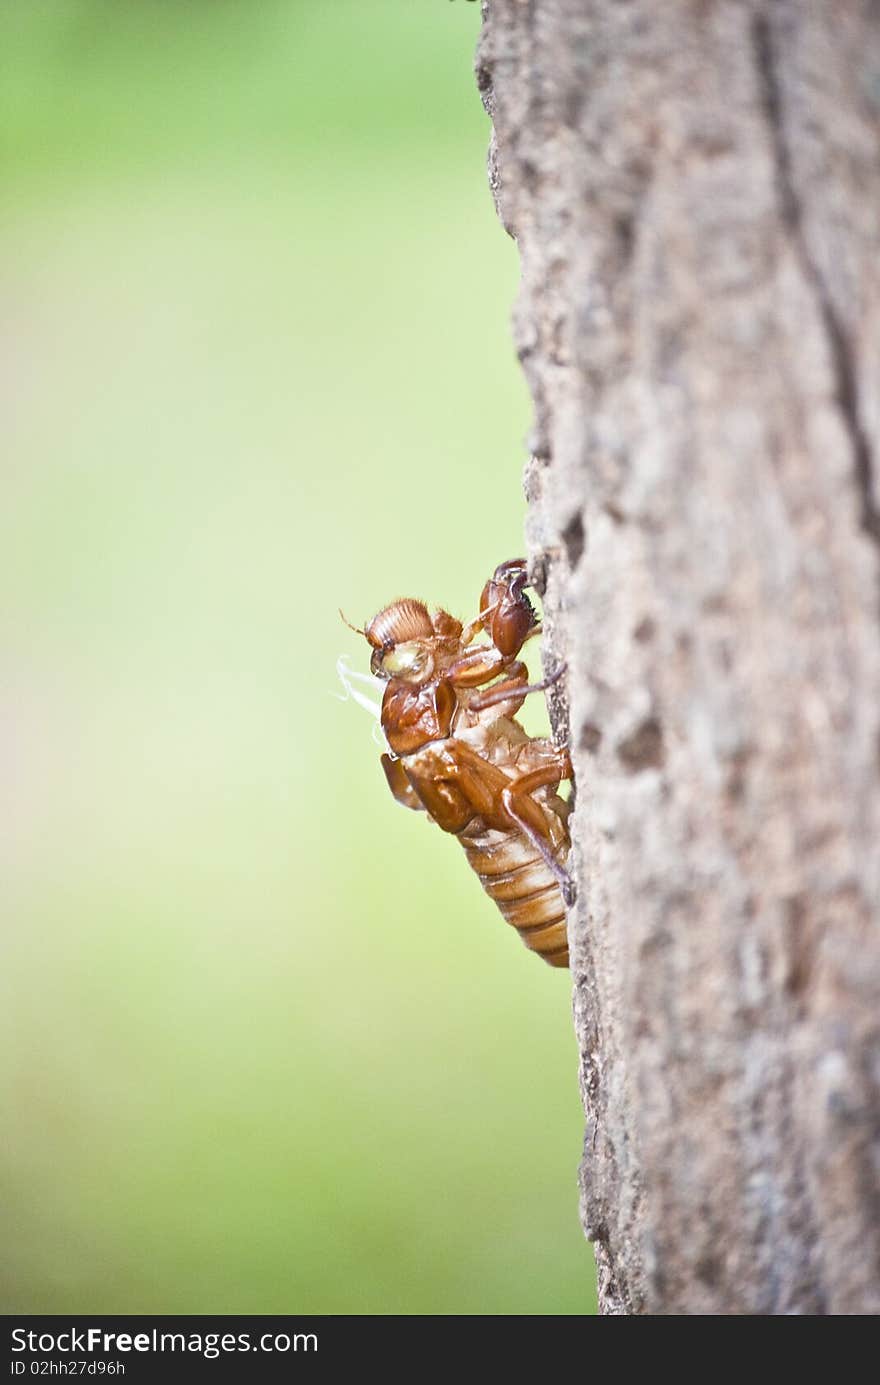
[503,802]
[399,784]
[480,665]
[513,687]
[516,796]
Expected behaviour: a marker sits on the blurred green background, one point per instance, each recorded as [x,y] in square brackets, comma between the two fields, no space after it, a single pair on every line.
[266,1046]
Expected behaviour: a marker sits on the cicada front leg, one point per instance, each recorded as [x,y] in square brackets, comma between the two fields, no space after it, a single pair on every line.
[399,784]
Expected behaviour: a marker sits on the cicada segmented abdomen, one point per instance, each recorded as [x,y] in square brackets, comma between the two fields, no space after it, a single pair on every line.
[514,874]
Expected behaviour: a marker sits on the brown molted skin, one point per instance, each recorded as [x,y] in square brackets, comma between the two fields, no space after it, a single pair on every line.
[461,756]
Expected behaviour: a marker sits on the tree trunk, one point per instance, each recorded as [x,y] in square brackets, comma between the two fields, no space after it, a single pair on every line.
[694,187]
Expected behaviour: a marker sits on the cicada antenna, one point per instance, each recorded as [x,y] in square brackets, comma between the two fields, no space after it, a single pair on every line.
[356,628]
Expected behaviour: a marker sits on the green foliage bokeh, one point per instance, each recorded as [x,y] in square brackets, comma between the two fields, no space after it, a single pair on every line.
[266,1045]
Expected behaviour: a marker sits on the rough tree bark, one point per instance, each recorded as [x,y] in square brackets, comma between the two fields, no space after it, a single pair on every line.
[694,187]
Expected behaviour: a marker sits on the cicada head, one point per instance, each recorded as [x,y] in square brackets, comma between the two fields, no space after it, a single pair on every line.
[409,643]
[401,636]
[399,623]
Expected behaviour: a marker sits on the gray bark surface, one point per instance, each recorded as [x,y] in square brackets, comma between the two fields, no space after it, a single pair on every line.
[695,192]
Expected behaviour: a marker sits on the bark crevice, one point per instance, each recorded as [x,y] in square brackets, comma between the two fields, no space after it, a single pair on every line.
[839,346]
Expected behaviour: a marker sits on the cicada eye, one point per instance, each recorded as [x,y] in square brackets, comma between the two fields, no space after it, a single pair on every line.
[376,664]
[410,661]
